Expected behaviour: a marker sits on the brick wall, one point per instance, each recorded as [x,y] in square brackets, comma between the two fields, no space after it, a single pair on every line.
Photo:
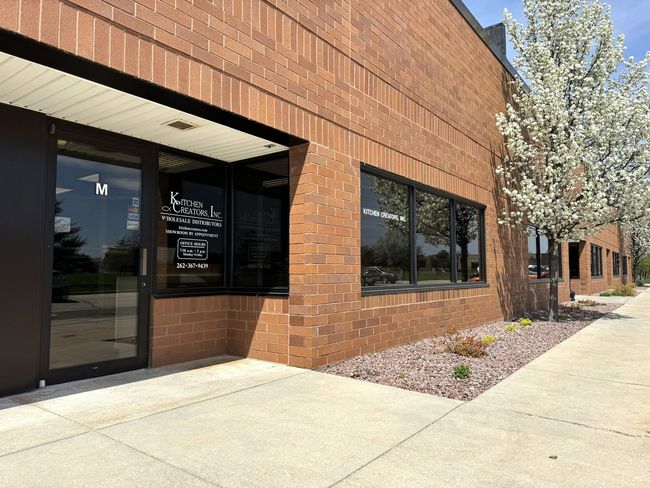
[611,241]
[184,329]
[349,77]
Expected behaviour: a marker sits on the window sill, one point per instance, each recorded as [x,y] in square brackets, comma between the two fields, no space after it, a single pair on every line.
[383,290]
[543,280]
[279,293]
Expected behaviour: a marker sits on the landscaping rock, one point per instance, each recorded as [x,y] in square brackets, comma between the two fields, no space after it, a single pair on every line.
[426,367]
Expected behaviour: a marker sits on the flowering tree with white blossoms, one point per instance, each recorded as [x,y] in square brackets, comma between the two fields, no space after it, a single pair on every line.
[640,240]
[578,132]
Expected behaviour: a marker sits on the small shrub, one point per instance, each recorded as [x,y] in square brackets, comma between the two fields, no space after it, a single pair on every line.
[401,376]
[525,322]
[589,303]
[471,346]
[576,306]
[488,339]
[461,372]
[628,290]
[511,328]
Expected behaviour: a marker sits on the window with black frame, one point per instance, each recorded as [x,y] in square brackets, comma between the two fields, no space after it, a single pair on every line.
[468,243]
[433,238]
[596,261]
[539,264]
[414,236]
[261,225]
[191,219]
[624,265]
[385,232]
[616,264]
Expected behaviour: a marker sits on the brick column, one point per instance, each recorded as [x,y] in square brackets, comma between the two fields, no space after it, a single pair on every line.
[325,289]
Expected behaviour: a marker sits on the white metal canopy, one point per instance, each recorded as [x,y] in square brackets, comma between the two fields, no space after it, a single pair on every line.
[36,87]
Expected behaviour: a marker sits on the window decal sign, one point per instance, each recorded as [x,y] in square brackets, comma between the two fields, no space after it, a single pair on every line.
[194,225]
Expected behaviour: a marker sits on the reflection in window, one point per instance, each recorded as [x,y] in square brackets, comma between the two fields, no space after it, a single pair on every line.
[433,239]
[533,267]
[261,224]
[191,206]
[617,264]
[385,238]
[96,250]
[597,261]
[444,240]
[539,260]
[624,265]
[468,245]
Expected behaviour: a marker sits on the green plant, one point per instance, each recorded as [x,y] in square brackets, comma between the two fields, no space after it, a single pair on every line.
[401,376]
[628,290]
[461,372]
[511,327]
[489,339]
[576,306]
[589,303]
[525,322]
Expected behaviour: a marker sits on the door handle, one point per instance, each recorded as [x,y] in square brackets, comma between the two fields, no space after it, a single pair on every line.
[143,261]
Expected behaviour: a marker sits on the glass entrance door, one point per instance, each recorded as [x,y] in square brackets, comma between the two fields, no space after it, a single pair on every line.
[99,262]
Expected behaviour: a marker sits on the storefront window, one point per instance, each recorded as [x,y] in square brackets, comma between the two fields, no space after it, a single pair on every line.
[191,223]
[533,265]
[468,245]
[261,225]
[444,240]
[539,260]
[617,264]
[385,232]
[597,261]
[433,238]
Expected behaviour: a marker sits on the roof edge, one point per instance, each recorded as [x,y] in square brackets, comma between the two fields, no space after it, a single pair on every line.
[481,32]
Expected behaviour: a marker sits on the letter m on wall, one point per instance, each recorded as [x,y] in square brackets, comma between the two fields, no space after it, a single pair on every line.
[101,189]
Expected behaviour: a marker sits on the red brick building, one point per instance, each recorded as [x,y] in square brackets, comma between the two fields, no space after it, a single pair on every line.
[295,181]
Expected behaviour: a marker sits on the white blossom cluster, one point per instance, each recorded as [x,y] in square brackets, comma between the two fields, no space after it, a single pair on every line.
[578,132]
[639,232]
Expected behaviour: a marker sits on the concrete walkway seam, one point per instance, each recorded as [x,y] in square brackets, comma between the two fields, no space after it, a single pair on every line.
[396,445]
[541,370]
[578,424]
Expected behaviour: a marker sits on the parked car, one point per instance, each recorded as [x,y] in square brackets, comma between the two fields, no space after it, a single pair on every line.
[374,274]
[544,272]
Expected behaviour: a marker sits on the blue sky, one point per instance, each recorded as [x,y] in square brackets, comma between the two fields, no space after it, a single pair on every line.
[631,17]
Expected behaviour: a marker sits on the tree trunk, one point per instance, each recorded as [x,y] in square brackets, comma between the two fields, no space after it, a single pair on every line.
[464,265]
[554,271]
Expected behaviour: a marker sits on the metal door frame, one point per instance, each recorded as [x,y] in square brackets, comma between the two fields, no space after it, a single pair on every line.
[146,151]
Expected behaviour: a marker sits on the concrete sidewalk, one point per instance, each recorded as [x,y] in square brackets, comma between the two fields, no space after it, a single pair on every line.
[578,416]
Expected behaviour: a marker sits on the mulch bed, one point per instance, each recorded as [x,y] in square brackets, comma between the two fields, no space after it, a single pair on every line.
[425,366]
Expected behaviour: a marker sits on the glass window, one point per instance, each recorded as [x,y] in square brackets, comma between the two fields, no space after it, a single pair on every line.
[191,206]
[468,244]
[544,258]
[261,224]
[617,264]
[624,265]
[539,259]
[533,266]
[385,232]
[596,261]
[433,239]
[442,250]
